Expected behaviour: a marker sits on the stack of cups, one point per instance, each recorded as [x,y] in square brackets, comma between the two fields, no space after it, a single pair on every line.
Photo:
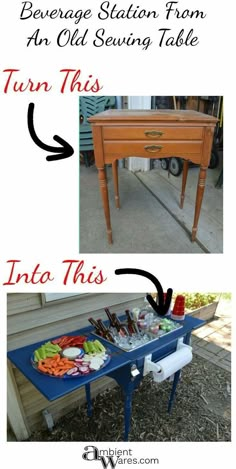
[178,313]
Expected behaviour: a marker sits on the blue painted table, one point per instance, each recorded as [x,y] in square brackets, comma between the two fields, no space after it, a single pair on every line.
[119,368]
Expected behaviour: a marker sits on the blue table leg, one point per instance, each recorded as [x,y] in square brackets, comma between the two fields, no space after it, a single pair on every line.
[89,402]
[187,338]
[172,394]
[128,411]
[123,378]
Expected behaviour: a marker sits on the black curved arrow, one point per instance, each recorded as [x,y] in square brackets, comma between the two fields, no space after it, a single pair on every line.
[162,306]
[65,151]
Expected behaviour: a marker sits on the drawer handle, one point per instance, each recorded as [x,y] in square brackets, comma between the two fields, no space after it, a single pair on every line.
[153,133]
[152,148]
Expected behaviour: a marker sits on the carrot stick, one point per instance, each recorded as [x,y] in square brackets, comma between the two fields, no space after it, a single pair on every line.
[41,368]
[61,372]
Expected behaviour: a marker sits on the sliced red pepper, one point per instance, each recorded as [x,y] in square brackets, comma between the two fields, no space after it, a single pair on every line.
[77,343]
[65,340]
[57,341]
[66,343]
[82,338]
[69,340]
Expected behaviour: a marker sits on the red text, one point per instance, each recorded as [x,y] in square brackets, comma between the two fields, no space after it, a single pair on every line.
[75,272]
[20,86]
[33,277]
[71,82]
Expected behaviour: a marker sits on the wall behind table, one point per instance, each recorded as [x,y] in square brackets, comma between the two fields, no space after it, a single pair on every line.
[30,319]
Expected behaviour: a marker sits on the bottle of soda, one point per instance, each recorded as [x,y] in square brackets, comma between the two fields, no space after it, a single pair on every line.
[132,326]
[121,329]
[95,324]
[110,317]
[105,331]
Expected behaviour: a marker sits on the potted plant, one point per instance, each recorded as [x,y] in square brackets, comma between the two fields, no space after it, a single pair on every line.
[201,305]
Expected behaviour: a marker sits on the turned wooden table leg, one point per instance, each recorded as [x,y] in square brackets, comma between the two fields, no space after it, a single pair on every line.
[105,200]
[199,197]
[115,181]
[184,180]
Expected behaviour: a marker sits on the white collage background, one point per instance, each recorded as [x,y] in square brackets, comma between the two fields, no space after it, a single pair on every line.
[40,200]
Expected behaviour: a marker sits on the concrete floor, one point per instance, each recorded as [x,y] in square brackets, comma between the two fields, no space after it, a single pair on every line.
[150,220]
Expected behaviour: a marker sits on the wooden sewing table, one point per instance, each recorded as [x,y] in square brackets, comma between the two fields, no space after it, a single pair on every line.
[155,134]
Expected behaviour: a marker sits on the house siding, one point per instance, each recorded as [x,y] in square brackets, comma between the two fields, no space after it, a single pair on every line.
[30,319]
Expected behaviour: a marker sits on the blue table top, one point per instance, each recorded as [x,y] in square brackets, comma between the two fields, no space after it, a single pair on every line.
[54,388]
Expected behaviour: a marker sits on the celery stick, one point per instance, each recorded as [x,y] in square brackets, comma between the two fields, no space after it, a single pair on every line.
[85,346]
[43,352]
[100,346]
[36,356]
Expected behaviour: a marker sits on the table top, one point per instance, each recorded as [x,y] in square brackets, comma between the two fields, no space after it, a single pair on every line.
[160,115]
[54,388]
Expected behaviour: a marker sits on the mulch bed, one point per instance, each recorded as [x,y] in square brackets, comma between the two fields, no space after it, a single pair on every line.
[201,411]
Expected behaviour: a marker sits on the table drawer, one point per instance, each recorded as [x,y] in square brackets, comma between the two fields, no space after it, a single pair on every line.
[152,133]
[153,149]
